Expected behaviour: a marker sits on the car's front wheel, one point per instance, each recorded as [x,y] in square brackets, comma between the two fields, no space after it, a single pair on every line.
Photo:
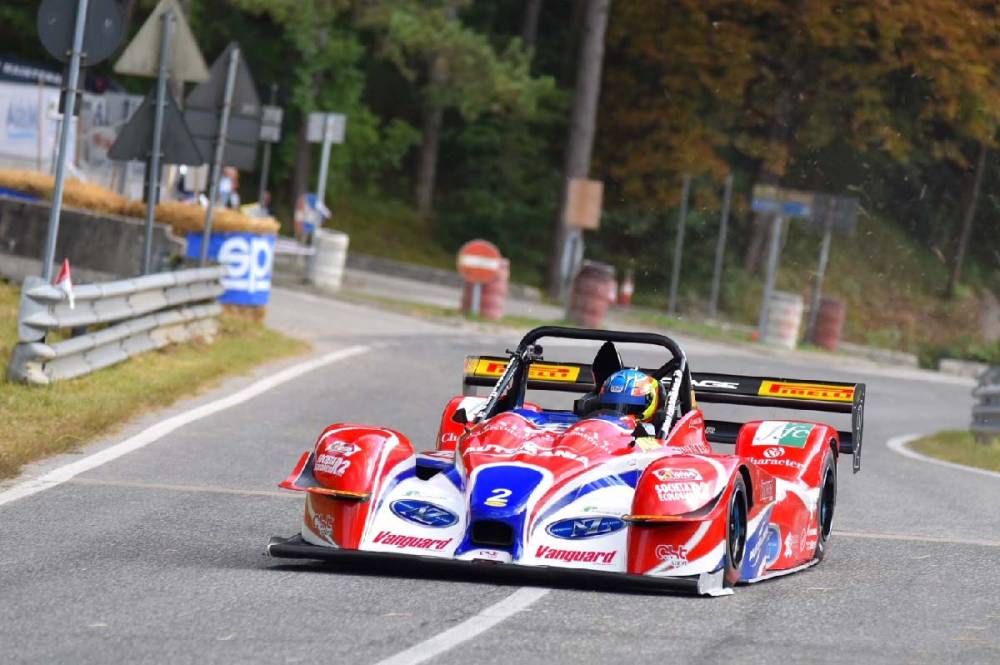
[827,502]
[736,531]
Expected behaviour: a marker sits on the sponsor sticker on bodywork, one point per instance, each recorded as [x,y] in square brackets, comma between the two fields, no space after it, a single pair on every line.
[668,474]
[572,556]
[779,433]
[423,513]
[485,367]
[402,542]
[817,392]
[681,491]
[585,527]
[673,556]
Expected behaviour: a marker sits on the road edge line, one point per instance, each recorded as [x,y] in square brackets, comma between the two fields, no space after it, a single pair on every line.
[468,629]
[899,444]
[158,430]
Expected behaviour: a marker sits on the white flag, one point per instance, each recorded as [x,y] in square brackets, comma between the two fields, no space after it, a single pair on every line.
[65,283]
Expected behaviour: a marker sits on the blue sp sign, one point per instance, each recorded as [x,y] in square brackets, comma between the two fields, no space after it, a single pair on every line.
[249,260]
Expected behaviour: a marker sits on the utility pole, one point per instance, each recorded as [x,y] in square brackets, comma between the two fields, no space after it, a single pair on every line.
[220,150]
[720,248]
[580,143]
[675,269]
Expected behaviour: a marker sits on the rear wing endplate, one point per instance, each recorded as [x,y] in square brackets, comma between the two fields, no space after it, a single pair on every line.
[806,395]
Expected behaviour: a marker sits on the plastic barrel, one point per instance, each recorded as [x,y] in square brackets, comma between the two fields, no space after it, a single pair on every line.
[784,320]
[493,297]
[590,296]
[830,323]
[327,267]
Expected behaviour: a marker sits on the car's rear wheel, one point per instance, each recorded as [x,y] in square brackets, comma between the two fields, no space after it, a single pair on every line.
[736,531]
[827,503]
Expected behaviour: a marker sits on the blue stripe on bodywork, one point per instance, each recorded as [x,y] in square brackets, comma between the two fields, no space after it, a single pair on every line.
[392,482]
[630,478]
[501,494]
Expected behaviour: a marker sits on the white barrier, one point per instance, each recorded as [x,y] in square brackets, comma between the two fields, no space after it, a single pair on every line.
[784,320]
[326,269]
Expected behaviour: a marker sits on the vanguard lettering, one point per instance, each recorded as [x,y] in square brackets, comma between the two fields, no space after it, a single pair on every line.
[574,555]
[402,542]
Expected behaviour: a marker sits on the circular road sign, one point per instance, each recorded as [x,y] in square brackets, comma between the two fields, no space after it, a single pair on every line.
[102,33]
[479,261]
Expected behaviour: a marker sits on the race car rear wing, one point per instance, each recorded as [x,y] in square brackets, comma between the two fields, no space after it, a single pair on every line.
[807,395]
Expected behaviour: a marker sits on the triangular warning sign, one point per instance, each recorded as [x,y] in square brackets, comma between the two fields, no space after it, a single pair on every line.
[210,94]
[136,136]
[142,55]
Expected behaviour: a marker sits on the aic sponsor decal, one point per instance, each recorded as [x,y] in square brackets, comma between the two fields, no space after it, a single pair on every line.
[809,391]
[335,465]
[402,542]
[423,513]
[585,527]
[778,433]
[554,554]
[676,474]
[681,491]
[673,556]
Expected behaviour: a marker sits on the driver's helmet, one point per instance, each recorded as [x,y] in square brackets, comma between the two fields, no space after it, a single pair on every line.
[630,392]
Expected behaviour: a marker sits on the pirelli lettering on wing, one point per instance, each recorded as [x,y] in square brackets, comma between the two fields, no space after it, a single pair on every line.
[817,392]
[537,371]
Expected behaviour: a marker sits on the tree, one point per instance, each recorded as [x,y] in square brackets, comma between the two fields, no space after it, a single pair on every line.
[454,68]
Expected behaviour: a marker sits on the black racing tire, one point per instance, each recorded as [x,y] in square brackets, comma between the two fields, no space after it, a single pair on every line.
[826,504]
[736,531]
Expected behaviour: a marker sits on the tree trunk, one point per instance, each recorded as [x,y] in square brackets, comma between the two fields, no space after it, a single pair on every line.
[583,121]
[529,29]
[427,164]
[970,215]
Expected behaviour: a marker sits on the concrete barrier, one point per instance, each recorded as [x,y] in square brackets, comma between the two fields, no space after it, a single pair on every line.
[326,269]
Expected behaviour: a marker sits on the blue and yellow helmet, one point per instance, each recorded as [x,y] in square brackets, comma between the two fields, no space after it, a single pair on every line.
[630,392]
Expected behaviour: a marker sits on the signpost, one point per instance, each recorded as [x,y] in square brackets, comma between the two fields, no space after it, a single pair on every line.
[151,53]
[479,262]
[325,128]
[96,31]
[270,132]
[584,201]
[675,269]
[720,247]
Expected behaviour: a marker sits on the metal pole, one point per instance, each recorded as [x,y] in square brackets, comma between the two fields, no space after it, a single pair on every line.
[772,271]
[324,161]
[675,270]
[73,79]
[220,148]
[720,248]
[477,297]
[153,176]
[266,162]
[824,257]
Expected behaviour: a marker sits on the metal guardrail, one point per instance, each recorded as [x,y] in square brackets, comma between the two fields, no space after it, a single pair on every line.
[986,414]
[140,315]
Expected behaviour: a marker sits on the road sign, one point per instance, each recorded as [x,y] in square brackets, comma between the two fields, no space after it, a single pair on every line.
[142,56]
[319,130]
[270,124]
[204,104]
[584,199]
[102,34]
[136,136]
[784,202]
[479,261]
[840,212]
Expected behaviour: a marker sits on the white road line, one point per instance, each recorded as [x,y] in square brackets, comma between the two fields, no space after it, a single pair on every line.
[916,538]
[900,444]
[164,427]
[128,484]
[468,629]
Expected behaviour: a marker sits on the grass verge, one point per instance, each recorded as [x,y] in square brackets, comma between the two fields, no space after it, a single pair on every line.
[960,447]
[38,421]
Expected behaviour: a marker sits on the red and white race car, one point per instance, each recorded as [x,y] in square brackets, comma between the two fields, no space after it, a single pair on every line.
[585,491]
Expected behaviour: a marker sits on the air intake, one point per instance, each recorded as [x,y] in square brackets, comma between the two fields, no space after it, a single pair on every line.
[491,533]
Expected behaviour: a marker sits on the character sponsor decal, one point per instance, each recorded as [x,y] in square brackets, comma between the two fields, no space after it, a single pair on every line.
[571,556]
[774,453]
[672,556]
[777,433]
[817,392]
[334,465]
[668,474]
[402,542]
[780,462]
[342,448]
[681,491]
[584,527]
[423,513]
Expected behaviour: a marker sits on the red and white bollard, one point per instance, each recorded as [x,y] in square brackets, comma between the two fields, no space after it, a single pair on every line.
[627,289]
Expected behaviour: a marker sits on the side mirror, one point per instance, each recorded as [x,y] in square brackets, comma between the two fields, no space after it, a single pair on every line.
[460,417]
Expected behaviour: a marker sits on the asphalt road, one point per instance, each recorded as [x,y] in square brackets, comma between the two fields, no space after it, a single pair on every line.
[156,556]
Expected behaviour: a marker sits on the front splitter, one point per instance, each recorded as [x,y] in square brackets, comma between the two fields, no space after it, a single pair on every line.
[297,548]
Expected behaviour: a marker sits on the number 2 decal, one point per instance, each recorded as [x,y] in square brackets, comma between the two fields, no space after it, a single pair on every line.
[498,497]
